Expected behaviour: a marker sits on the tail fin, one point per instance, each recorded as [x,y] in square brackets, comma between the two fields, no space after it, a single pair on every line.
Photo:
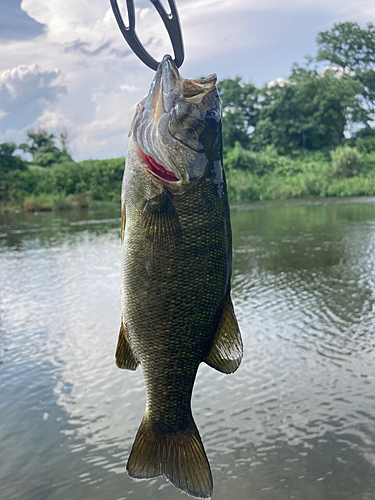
[179,457]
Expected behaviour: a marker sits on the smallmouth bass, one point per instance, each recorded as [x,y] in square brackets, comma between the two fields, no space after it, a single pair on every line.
[176,270]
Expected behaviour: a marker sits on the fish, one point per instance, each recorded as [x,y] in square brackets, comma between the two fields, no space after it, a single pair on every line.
[175,271]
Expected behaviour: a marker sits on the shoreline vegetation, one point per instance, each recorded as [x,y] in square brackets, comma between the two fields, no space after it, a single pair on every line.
[308,135]
[251,176]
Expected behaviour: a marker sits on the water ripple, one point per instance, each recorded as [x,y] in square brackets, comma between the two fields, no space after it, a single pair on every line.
[295,421]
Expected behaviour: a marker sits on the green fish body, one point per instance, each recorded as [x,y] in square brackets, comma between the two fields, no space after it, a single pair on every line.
[176,270]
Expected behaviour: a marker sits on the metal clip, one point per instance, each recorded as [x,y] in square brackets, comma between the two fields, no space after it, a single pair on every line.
[171,22]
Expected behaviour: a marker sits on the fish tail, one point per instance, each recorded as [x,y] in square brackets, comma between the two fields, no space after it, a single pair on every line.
[180,457]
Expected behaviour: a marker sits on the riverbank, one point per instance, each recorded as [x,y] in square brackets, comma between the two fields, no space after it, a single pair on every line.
[251,176]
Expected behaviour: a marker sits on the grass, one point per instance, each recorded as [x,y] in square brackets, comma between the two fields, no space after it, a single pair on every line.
[250,176]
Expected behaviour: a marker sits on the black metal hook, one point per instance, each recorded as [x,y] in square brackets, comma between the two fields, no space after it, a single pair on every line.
[171,22]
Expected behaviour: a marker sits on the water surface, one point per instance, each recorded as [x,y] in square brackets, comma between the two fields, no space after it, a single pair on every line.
[297,420]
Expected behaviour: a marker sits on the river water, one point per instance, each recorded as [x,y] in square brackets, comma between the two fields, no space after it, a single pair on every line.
[297,420]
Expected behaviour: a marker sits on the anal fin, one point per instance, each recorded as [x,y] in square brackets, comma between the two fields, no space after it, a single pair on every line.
[226,351]
[124,356]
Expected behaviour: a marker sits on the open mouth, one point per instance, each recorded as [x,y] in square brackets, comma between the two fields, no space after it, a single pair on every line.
[160,171]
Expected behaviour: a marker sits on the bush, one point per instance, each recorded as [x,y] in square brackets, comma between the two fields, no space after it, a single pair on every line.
[346,162]
[43,203]
[103,178]
[243,186]
[258,164]
[356,186]
[48,202]
[365,144]
[368,164]
[81,200]
[65,177]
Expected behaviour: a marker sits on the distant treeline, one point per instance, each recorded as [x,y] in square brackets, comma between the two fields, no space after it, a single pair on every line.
[309,134]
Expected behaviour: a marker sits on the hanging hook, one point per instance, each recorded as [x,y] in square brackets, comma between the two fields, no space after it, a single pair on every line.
[171,22]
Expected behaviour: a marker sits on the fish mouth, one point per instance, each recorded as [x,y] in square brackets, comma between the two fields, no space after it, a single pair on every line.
[166,154]
[159,171]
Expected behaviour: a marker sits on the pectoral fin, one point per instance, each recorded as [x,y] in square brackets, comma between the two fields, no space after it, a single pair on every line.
[226,351]
[124,356]
[160,220]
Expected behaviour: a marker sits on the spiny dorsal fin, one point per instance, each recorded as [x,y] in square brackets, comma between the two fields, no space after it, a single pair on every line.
[226,351]
[124,356]
[179,457]
[160,220]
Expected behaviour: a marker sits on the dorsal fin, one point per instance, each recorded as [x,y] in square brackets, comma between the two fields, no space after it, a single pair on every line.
[226,351]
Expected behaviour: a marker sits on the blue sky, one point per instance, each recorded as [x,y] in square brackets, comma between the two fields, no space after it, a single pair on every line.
[64,63]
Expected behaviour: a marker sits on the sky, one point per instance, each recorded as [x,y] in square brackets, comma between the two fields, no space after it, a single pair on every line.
[65,65]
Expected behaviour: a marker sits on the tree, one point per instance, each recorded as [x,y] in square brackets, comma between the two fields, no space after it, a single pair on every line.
[308,110]
[8,160]
[348,45]
[41,145]
[352,49]
[238,102]
[64,140]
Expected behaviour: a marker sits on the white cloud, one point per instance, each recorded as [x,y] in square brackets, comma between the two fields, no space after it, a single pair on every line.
[82,52]
[54,120]
[24,91]
[129,88]
[67,19]
[3,113]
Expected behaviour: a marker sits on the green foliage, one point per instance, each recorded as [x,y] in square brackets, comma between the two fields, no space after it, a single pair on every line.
[302,175]
[346,162]
[356,186]
[8,160]
[256,163]
[15,184]
[63,185]
[368,165]
[310,110]
[239,107]
[285,139]
[41,145]
[103,178]
[56,202]
[349,46]
[365,144]
[244,186]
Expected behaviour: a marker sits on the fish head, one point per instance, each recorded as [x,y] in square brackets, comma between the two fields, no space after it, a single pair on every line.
[177,126]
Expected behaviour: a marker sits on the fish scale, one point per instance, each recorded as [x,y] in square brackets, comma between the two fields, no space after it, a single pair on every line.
[176,268]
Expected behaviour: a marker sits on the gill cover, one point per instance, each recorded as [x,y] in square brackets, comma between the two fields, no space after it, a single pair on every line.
[178,124]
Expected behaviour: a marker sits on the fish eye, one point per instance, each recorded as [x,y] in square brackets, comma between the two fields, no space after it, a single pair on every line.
[212,118]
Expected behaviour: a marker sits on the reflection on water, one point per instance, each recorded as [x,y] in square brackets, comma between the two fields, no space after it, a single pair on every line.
[296,421]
